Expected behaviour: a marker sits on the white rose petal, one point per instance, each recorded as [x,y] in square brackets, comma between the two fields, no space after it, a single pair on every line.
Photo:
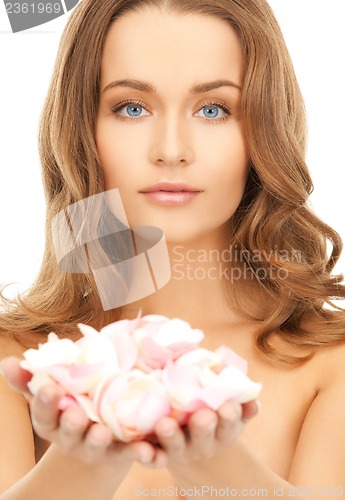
[196,356]
[53,352]
[175,331]
[237,381]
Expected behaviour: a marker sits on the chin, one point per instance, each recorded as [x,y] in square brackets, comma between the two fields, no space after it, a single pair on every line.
[183,236]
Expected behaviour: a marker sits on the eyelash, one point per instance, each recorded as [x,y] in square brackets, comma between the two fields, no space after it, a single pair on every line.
[221,105]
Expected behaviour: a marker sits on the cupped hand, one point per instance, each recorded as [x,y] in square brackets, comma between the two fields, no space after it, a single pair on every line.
[71,430]
[207,433]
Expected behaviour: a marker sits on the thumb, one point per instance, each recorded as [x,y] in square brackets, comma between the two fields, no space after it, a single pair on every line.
[15,375]
[250,409]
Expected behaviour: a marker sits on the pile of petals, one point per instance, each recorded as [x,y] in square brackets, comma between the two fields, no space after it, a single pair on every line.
[134,372]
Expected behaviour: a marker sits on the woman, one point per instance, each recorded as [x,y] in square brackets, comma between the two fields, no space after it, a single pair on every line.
[202,94]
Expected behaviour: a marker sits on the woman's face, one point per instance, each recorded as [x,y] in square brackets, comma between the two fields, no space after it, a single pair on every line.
[175,132]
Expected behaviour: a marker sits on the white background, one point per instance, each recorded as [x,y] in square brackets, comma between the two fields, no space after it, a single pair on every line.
[314,33]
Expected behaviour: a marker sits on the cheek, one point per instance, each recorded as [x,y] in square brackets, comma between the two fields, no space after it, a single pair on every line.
[117,157]
[231,164]
[103,144]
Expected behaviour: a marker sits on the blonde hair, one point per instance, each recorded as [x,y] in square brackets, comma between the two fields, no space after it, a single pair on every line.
[273,214]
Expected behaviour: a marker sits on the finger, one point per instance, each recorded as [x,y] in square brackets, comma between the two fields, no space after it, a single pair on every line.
[98,439]
[250,409]
[171,437]
[202,426]
[16,376]
[142,451]
[230,422]
[44,410]
[159,461]
[73,425]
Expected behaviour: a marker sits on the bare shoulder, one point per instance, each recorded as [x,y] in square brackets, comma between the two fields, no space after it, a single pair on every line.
[17,455]
[319,459]
[9,346]
[328,364]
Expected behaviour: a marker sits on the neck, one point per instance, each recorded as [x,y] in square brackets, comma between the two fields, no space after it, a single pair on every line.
[196,291]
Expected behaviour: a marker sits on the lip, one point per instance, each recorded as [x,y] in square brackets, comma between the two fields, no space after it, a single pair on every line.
[171,187]
[171,193]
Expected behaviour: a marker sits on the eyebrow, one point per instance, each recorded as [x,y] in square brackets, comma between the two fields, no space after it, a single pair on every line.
[148,88]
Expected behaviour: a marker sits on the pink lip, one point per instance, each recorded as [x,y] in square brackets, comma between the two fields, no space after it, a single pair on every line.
[171,193]
[169,187]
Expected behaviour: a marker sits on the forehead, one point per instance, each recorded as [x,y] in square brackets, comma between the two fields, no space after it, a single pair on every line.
[170,49]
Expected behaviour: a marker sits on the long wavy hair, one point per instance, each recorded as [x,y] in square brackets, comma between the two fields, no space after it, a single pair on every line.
[273,219]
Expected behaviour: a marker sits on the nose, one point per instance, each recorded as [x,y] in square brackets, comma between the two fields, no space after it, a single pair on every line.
[171,143]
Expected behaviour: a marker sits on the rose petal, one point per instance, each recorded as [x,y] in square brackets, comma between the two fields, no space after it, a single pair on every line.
[53,352]
[124,346]
[229,357]
[175,331]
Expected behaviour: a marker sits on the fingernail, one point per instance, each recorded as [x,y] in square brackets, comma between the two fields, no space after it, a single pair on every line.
[168,433]
[212,426]
[258,406]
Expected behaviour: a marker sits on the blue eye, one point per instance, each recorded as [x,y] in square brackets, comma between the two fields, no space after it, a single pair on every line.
[135,108]
[211,111]
[132,108]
